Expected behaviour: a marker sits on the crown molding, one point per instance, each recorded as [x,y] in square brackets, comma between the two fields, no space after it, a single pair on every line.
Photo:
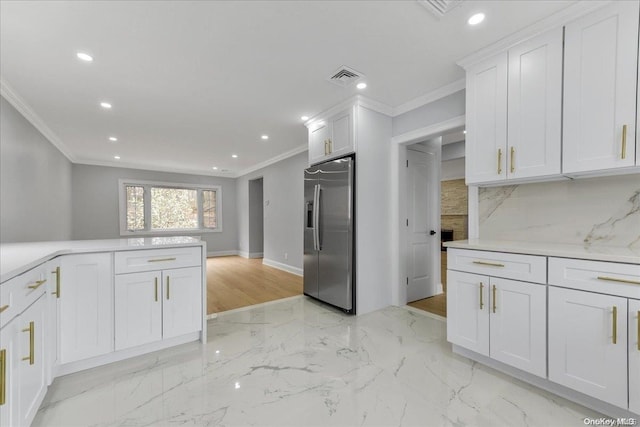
[140,166]
[429,97]
[27,112]
[558,19]
[350,102]
[273,160]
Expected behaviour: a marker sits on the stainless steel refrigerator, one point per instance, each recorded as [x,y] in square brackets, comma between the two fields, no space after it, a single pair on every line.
[329,273]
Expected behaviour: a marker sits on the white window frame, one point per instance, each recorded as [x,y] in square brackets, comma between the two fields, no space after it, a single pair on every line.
[122,199]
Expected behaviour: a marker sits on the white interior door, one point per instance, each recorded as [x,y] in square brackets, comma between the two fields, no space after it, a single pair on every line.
[422,212]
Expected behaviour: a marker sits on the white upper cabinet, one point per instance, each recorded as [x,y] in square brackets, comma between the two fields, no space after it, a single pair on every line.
[600,77]
[486,117]
[535,107]
[634,356]
[332,137]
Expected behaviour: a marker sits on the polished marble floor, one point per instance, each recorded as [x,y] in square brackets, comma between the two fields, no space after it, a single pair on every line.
[299,363]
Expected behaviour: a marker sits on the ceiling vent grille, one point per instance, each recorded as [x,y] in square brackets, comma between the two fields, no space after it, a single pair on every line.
[440,7]
[344,76]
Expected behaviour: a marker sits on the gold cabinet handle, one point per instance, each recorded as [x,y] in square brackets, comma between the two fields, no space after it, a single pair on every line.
[624,142]
[156,284]
[3,376]
[494,298]
[161,259]
[57,291]
[481,297]
[31,330]
[499,161]
[493,264]
[330,146]
[168,287]
[615,279]
[615,325]
[326,150]
[4,307]
[37,284]
[513,155]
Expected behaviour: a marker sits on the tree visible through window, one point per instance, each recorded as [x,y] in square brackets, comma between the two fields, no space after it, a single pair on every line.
[150,207]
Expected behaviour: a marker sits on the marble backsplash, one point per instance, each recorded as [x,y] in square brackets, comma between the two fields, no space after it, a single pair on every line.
[601,211]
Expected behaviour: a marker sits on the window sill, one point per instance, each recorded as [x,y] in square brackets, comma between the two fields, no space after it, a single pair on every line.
[169,232]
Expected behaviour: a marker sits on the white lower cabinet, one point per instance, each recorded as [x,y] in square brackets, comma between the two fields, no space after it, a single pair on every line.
[8,375]
[634,356]
[150,306]
[500,318]
[52,299]
[85,306]
[588,343]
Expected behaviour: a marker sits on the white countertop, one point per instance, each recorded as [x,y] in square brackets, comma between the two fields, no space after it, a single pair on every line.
[562,250]
[16,258]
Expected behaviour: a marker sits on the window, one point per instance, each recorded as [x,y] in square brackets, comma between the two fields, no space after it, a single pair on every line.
[158,207]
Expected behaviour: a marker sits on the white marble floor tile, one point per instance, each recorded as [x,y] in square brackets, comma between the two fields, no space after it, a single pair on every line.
[300,363]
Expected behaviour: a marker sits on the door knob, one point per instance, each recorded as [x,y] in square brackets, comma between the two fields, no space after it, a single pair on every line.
[432,232]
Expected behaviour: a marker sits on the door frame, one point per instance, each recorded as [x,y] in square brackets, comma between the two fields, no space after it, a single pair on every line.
[398,203]
[250,208]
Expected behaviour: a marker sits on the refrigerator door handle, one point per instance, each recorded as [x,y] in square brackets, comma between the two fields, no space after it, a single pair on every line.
[318,207]
[315,217]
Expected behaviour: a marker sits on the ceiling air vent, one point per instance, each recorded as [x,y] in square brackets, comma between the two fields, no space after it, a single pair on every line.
[440,7]
[344,76]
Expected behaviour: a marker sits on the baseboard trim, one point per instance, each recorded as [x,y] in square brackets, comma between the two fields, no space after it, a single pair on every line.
[243,254]
[256,254]
[280,266]
[221,253]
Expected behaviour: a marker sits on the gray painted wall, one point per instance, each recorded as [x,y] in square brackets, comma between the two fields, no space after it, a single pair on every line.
[283,189]
[438,111]
[35,183]
[95,203]
[256,217]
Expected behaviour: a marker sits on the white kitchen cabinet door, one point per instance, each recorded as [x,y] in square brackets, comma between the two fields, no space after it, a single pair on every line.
[535,107]
[468,311]
[53,287]
[85,306]
[138,309]
[341,140]
[9,369]
[182,301]
[600,66]
[634,356]
[588,343]
[32,355]
[319,134]
[518,325]
[486,117]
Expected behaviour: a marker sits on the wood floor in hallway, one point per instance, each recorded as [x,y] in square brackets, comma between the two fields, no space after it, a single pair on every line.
[234,282]
[436,304]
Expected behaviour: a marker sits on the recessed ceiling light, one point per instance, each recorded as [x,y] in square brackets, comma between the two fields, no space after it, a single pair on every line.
[304,118]
[361,85]
[113,139]
[84,56]
[235,156]
[264,136]
[116,157]
[215,168]
[105,105]
[464,131]
[476,19]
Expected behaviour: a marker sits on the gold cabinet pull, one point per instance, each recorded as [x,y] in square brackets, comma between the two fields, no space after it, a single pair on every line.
[162,259]
[37,284]
[615,325]
[615,279]
[326,147]
[57,291]
[499,161]
[330,146]
[156,284]
[4,307]
[494,298]
[168,287]
[31,330]
[481,297]
[624,142]
[493,264]
[3,376]
[513,155]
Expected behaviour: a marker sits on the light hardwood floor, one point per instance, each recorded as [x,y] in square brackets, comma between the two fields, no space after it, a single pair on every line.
[234,282]
[436,304]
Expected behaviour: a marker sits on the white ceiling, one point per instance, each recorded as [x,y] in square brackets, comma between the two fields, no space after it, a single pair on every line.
[192,82]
